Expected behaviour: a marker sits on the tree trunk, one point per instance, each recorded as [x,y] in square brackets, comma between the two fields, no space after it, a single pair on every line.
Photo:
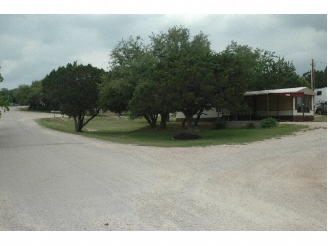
[189,120]
[164,119]
[152,120]
[190,126]
[198,117]
[79,120]
[78,123]
[184,122]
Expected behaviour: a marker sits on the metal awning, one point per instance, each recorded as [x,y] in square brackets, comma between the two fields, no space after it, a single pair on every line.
[293,92]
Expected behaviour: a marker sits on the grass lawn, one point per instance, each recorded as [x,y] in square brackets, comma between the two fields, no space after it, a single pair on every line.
[124,130]
[320,118]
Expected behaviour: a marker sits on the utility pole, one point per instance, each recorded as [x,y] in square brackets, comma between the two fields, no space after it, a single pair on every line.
[312,76]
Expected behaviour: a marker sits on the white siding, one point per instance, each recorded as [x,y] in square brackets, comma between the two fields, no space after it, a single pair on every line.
[207,114]
[322,97]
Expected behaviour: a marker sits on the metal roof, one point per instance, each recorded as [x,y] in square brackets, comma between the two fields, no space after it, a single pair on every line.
[304,90]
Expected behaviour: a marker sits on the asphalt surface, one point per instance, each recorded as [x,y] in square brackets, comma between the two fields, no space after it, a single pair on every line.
[61,182]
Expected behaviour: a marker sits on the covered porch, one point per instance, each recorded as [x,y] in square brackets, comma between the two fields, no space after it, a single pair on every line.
[290,104]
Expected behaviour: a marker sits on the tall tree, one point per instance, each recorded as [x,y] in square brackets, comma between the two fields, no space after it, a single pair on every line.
[186,72]
[75,89]
[132,67]
[264,69]
[230,78]
[119,84]
[320,77]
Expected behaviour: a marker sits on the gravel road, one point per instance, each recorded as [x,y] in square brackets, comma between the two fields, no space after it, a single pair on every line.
[55,181]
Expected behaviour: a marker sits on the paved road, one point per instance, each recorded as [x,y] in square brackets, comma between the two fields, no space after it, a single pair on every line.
[56,181]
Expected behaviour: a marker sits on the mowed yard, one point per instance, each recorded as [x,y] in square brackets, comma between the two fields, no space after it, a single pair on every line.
[121,129]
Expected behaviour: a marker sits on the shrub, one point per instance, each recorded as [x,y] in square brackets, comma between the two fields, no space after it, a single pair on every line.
[220,124]
[250,125]
[186,136]
[268,123]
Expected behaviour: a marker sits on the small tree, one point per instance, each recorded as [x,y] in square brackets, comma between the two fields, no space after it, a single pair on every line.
[75,89]
[143,103]
[3,102]
[8,95]
[114,94]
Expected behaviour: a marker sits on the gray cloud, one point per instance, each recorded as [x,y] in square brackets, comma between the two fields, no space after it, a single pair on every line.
[317,22]
[33,45]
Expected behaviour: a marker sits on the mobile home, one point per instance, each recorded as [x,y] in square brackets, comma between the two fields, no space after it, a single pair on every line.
[290,104]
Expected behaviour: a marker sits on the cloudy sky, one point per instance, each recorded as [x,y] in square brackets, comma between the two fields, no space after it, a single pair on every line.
[31,45]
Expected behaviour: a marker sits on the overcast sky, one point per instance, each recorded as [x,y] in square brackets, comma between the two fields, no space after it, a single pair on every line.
[33,45]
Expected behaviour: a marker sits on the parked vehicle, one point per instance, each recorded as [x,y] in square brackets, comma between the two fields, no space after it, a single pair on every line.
[321,108]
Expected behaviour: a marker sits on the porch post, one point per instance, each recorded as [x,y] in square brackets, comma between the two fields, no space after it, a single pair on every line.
[277,107]
[268,105]
[303,107]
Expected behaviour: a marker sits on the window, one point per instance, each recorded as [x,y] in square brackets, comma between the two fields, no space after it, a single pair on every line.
[306,100]
[319,93]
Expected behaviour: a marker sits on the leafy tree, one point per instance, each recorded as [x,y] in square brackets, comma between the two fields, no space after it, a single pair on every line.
[7,94]
[150,97]
[175,72]
[21,94]
[250,59]
[320,78]
[185,70]
[143,103]
[230,80]
[3,102]
[280,73]
[75,89]
[1,78]
[264,70]
[36,98]
[114,94]
[131,85]
[119,84]
[31,95]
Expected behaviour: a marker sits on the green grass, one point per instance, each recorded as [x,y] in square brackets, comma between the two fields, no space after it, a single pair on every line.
[124,130]
[320,118]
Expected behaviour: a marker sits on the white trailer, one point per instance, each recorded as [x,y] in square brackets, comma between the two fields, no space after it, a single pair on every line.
[320,95]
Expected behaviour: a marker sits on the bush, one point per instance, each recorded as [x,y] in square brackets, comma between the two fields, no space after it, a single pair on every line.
[250,125]
[220,124]
[186,136]
[268,123]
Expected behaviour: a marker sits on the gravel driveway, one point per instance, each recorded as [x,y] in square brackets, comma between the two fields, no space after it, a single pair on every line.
[76,183]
